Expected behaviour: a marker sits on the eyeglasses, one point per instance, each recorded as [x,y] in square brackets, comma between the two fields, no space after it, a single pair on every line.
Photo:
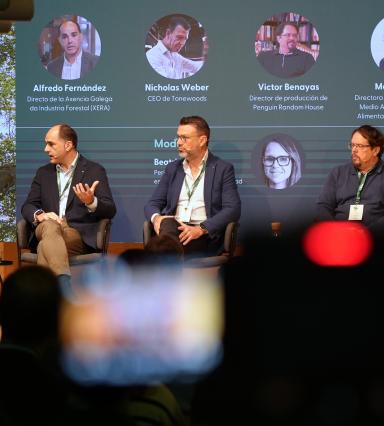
[184,138]
[357,146]
[283,160]
[293,35]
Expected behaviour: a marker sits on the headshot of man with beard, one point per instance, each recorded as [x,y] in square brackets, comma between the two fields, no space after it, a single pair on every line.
[287,60]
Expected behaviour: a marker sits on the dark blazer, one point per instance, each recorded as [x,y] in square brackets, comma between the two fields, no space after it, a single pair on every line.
[88,62]
[44,194]
[222,201]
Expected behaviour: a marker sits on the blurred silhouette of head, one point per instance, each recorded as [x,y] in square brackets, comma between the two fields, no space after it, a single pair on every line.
[165,246]
[133,257]
[29,306]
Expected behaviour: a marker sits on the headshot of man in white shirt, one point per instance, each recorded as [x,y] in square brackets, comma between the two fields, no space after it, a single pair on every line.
[165,57]
[74,63]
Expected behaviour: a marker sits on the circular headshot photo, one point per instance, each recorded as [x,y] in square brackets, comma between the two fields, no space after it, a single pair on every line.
[279,161]
[176,46]
[287,45]
[69,47]
[377,44]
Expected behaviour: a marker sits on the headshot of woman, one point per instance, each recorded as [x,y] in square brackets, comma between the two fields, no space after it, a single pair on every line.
[281,162]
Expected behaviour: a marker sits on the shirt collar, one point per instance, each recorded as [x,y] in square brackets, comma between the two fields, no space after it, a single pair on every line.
[377,168]
[203,160]
[77,60]
[163,49]
[277,52]
[71,167]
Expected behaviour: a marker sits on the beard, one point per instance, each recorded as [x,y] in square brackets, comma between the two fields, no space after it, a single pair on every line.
[356,161]
[291,46]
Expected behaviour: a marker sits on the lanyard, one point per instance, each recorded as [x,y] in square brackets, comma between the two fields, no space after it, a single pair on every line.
[195,183]
[62,192]
[362,178]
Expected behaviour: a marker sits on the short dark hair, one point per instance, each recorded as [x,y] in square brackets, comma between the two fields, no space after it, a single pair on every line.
[373,136]
[164,244]
[73,22]
[282,25]
[178,20]
[29,305]
[67,133]
[198,122]
[163,250]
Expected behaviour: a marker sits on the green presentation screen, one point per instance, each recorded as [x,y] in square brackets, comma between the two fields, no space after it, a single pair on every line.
[126,102]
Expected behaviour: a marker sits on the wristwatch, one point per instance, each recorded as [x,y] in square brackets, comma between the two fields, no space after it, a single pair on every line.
[203,227]
[37,212]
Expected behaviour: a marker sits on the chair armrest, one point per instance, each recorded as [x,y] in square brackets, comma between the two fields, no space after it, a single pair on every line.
[102,236]
[230,238]
[23,233]
[148,231]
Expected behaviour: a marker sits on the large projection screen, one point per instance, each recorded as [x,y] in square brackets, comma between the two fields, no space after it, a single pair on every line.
[126,112]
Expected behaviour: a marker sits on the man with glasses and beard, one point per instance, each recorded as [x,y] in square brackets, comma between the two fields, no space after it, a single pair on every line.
[355,190]
[197,195]
[286,61]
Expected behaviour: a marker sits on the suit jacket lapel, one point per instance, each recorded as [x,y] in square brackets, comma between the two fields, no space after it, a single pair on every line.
[78,177]
[208,182]
[177,185]
[53,189]
[84,63]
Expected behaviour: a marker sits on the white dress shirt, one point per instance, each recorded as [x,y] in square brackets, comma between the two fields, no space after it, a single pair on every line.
[72,71]
[171,64]
[196,202]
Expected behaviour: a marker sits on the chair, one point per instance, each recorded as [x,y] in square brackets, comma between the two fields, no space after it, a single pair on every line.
[230,238]
[24,231]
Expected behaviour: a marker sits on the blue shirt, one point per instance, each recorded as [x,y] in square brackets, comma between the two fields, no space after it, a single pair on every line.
[340,190]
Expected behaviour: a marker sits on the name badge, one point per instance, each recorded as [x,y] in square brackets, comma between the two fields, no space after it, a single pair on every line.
[185,214]
[356,212]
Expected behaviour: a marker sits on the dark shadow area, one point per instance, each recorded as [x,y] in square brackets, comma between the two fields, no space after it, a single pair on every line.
[302,343]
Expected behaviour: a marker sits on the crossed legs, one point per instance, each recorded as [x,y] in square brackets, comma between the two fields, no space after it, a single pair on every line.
[56,243]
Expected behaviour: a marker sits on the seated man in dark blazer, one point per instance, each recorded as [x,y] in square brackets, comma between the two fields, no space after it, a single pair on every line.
[74,63]
[67,199]
[197,195]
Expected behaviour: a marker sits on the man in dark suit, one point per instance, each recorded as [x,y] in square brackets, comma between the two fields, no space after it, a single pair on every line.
[197,195]
[67,199]
[74,63]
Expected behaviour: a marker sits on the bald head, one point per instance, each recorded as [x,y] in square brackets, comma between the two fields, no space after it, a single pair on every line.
[70,39]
